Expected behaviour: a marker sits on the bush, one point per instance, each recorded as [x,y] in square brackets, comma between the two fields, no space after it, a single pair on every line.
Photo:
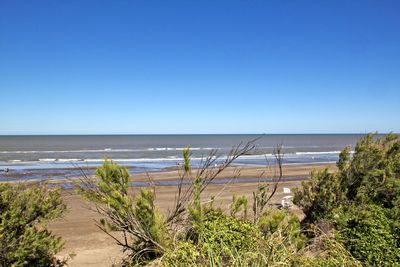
[325,251]
[141,228]
[24,211]
[319,195]
[288,224]
[225,234]
[367,233]
[362,199]
[183,254]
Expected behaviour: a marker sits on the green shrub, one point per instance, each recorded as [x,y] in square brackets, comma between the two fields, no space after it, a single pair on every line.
[131,220]
[288,224]
[227,234]
[24,211]
[362,199]
[184,254]
[319,195]
[373,170]
[367,233]
[325,251]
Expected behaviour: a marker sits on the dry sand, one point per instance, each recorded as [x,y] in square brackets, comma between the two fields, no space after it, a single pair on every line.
[94,248]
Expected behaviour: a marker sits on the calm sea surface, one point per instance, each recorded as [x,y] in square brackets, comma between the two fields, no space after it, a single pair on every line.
[37,157]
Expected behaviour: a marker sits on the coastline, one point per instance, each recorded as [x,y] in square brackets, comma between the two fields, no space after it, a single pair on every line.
[75,173]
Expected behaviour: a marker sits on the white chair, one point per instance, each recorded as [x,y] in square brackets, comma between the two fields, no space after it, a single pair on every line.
[286,190]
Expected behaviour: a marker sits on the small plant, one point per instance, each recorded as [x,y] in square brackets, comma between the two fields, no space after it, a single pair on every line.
[273,221]
[239,204]
[226,234]
[141,228]
[185,253]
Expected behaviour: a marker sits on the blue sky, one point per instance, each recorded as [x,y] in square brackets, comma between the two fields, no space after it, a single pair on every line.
[96,67]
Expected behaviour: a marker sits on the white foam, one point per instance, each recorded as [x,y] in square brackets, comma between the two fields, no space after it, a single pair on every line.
[93,160]
[177,148]
[319,152]
[260,156]
[132,160]
[171,157]
[71,151]
[109,150]
[68,160]
[316,153]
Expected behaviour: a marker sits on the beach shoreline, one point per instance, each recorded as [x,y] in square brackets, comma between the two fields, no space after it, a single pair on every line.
[76,172]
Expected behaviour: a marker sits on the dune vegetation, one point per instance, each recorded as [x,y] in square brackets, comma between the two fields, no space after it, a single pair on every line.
[351,216]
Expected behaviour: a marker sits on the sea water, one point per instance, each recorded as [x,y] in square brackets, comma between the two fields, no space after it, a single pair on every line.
[38,157]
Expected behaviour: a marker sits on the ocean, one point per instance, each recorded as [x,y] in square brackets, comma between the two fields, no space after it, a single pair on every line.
[56,156]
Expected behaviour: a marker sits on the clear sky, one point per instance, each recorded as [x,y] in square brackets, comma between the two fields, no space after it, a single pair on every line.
[142,66]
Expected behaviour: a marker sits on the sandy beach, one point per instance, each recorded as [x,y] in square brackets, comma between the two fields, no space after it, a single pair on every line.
[94,248]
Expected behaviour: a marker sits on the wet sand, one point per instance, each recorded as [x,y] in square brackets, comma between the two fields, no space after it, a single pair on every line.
[94,248]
